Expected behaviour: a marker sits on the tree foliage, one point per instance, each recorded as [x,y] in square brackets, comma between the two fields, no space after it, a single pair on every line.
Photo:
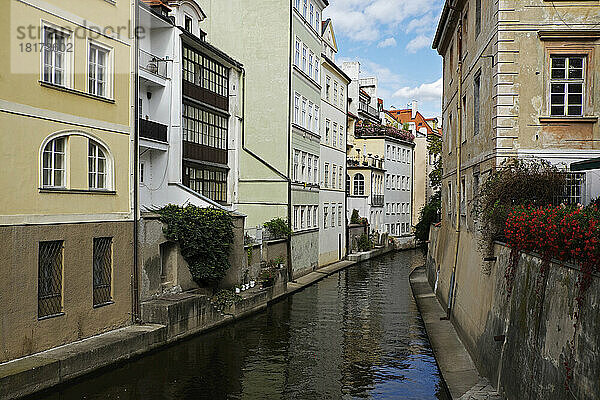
[277,228]
[205,236]
[430,213]
[434,147]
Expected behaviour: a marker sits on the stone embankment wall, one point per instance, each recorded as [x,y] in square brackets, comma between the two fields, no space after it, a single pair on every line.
[523,342]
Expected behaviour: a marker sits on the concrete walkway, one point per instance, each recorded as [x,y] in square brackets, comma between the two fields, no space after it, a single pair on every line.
[455,364]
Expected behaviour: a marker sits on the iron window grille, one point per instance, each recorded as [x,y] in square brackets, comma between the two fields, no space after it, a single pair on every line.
[102,271]
[574,192]
[567,81]
[50,277]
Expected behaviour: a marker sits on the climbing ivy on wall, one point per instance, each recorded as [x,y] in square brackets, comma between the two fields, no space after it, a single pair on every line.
[205,236]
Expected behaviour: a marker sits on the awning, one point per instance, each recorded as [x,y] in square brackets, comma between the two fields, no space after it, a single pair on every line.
[586,165]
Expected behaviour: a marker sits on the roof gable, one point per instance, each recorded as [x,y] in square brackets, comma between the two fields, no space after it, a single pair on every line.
[328,34]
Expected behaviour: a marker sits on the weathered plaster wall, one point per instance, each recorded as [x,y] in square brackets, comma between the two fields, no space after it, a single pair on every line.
[21,332]
[536,320]
[305,252]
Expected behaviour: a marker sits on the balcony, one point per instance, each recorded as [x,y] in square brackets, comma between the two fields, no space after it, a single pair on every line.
[205,96]
[153,130]
[153,64]
[377,200]
[367,109]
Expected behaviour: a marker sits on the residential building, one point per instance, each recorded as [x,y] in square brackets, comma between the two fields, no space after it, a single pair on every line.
[365,188]
[423,129]
[66,219]
[362,94]
[333,120]
[396,148]
[190,110]
[281,86]
[518,79]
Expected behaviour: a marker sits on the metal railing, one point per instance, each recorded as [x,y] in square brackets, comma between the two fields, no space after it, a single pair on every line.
[153,130]
[153,64]
[368,109]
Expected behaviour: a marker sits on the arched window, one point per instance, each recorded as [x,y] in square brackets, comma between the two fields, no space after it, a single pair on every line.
[97,166]
[53,163]
[359,185]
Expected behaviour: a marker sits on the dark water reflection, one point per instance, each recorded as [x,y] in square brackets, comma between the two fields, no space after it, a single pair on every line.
[354,335]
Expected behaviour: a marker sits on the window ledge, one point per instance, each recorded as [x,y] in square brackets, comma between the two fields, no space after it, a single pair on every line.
[77,92]
[108,303]
[60,314]
[76,191]
[553,119]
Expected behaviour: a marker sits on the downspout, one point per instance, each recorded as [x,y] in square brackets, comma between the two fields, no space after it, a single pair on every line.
[452,294]
[289,147]
[135,300]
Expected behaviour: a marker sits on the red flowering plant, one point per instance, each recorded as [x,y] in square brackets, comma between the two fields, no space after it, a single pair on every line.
[568,234]
[369,129]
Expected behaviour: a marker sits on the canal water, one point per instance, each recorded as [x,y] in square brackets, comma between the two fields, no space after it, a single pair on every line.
[354,335]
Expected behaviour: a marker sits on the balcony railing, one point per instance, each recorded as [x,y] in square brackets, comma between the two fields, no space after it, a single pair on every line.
[372,111]
[377,200]
[153,64]
[153,130]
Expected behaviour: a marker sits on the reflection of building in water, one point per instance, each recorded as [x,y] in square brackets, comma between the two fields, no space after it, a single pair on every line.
[362,330]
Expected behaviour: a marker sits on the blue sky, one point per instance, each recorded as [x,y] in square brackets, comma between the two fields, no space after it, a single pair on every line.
[392,40]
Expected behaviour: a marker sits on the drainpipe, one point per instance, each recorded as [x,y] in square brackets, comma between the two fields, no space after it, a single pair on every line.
[135,299]
[452,294]
[289,147]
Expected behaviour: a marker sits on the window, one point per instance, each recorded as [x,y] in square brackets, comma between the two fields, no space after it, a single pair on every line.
[327,87]
[55,57]
[312,14]
[477,17]
[316,170]
[303,113]
[50,278]
[476,104]
[309,170]
[340,215]
[205,72]
[334,137]
[340,177]
[317,67]
[317,22]
[334,176]
[296,217]
[302,217]
[204,127]
[332,216]
[53,163]
[342,98]
[574,188]
[304,51]
[566,85]
[315,219]
[317,128]
[207,180]
[303,168]
[297,4]
[326,177]
[97,71]
[304,6]
[449,199]
[327,127]
[387,181]
[310,63]
[310,116]
[335,93]
[359,185]
[296,160]
[296,108]
[463,195]
[97,171]
[297,54]
[308,216]
[325,215]
[451,59]
[341,130]
[102,271]
[188,23]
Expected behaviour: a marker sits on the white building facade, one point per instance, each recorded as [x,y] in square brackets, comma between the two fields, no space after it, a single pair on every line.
[399,161]
[333,120]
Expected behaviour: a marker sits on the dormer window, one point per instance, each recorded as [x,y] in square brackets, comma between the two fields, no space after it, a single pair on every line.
[188,23]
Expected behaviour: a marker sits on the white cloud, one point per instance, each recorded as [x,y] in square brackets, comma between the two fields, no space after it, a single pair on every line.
[418,43]
[366,20]
[389,42]
[424,92]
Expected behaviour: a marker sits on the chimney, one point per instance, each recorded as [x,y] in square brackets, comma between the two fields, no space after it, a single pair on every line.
[415,106]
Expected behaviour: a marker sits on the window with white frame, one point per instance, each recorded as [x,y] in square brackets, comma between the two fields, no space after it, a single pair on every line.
[55,57]
[297,54]
[333,216]
[334,176]
[334,136]
[327,87]
[316,170]
[97,167]
[342,98]
[341,136]
[310,63]
[310,116]
[327,128]
[304,55]
[295,171]
[567,80]
[335,93]
[325,215]
[53,163]
[303,173]
[302,217]
[317,21]
[296,217]
[315,218]
[304,8]
[297,4]
[296,108]
[339,215]
[340,177]
[359,185]
[317,128]
[309,170]
[98,70]
[326,177]
[308,216]
[317,69]
[312,14]
[303,113]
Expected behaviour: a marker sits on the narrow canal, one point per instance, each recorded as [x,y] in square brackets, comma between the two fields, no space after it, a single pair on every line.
[355,334]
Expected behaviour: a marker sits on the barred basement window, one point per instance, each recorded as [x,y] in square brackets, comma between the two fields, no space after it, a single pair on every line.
[574,188]
[50,277]
[567,81]
[204,127]
[102,271]
[205,72]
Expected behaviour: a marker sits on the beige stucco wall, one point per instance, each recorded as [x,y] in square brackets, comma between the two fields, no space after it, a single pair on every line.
[21,333]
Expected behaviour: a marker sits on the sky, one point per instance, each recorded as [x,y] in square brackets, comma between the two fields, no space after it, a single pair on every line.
[392,40]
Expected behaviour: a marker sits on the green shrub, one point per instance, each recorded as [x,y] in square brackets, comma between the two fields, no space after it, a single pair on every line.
[278,228]
[204,235]
[225,298]
[429,214]
[364,243]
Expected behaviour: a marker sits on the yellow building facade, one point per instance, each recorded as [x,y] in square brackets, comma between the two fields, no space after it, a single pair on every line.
[66,208]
